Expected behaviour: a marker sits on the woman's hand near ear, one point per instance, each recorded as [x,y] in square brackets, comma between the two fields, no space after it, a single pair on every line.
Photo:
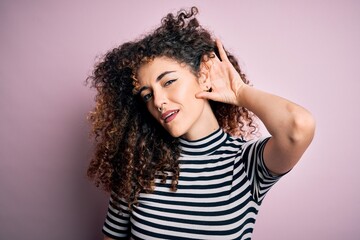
[290,125]
[222,77]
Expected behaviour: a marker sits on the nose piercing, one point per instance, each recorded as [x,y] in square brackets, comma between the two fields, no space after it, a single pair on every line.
[160,108]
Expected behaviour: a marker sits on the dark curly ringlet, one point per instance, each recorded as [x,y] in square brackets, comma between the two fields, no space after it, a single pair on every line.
[131,147]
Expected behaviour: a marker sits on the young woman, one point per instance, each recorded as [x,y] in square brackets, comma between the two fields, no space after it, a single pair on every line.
[175,129]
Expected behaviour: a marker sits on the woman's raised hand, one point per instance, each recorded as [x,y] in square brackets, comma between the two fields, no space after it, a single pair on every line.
[225,81]
[291,126]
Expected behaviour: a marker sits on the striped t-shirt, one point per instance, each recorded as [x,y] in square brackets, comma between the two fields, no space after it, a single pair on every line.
[222,183]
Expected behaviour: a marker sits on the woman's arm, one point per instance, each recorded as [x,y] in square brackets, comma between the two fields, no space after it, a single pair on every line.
[290,125]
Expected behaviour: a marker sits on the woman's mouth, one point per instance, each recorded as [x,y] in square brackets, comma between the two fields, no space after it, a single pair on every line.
[169,115]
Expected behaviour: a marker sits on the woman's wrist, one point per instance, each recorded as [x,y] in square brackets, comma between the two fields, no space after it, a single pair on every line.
[241,95]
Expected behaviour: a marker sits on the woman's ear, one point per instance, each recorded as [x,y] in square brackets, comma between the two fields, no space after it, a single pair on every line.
[204,76]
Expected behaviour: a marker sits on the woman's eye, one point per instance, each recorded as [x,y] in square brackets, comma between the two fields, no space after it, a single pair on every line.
[147,97]
[169,82]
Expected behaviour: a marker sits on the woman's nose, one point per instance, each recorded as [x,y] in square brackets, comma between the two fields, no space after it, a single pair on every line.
[159,99]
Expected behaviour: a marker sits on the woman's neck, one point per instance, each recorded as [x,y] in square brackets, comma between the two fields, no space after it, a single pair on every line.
[204,126]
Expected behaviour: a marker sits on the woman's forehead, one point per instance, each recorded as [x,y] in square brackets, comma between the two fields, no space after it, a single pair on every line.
[153,68]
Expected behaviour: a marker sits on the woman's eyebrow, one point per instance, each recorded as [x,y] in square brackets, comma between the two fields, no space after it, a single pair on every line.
[157,79]
[162,75]
[142,89]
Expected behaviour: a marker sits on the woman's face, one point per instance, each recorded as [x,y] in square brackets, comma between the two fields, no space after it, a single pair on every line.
[168,90]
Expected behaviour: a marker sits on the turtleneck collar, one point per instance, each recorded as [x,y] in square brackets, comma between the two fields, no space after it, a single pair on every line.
[203,146]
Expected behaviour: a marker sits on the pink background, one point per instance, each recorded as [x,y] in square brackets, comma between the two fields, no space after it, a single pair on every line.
[307,51]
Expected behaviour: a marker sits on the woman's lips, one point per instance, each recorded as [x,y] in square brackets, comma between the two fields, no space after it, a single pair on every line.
[169,115]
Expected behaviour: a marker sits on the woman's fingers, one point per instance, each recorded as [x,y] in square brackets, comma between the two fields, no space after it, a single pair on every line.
[221,49]
[220,76]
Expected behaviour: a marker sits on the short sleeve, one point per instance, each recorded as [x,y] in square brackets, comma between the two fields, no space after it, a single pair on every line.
[261,180]
[117,222]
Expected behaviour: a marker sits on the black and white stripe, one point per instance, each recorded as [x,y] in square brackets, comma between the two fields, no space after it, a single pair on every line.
[222,183]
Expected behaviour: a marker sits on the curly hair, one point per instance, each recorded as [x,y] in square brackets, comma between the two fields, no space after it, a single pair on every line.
[131,147]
